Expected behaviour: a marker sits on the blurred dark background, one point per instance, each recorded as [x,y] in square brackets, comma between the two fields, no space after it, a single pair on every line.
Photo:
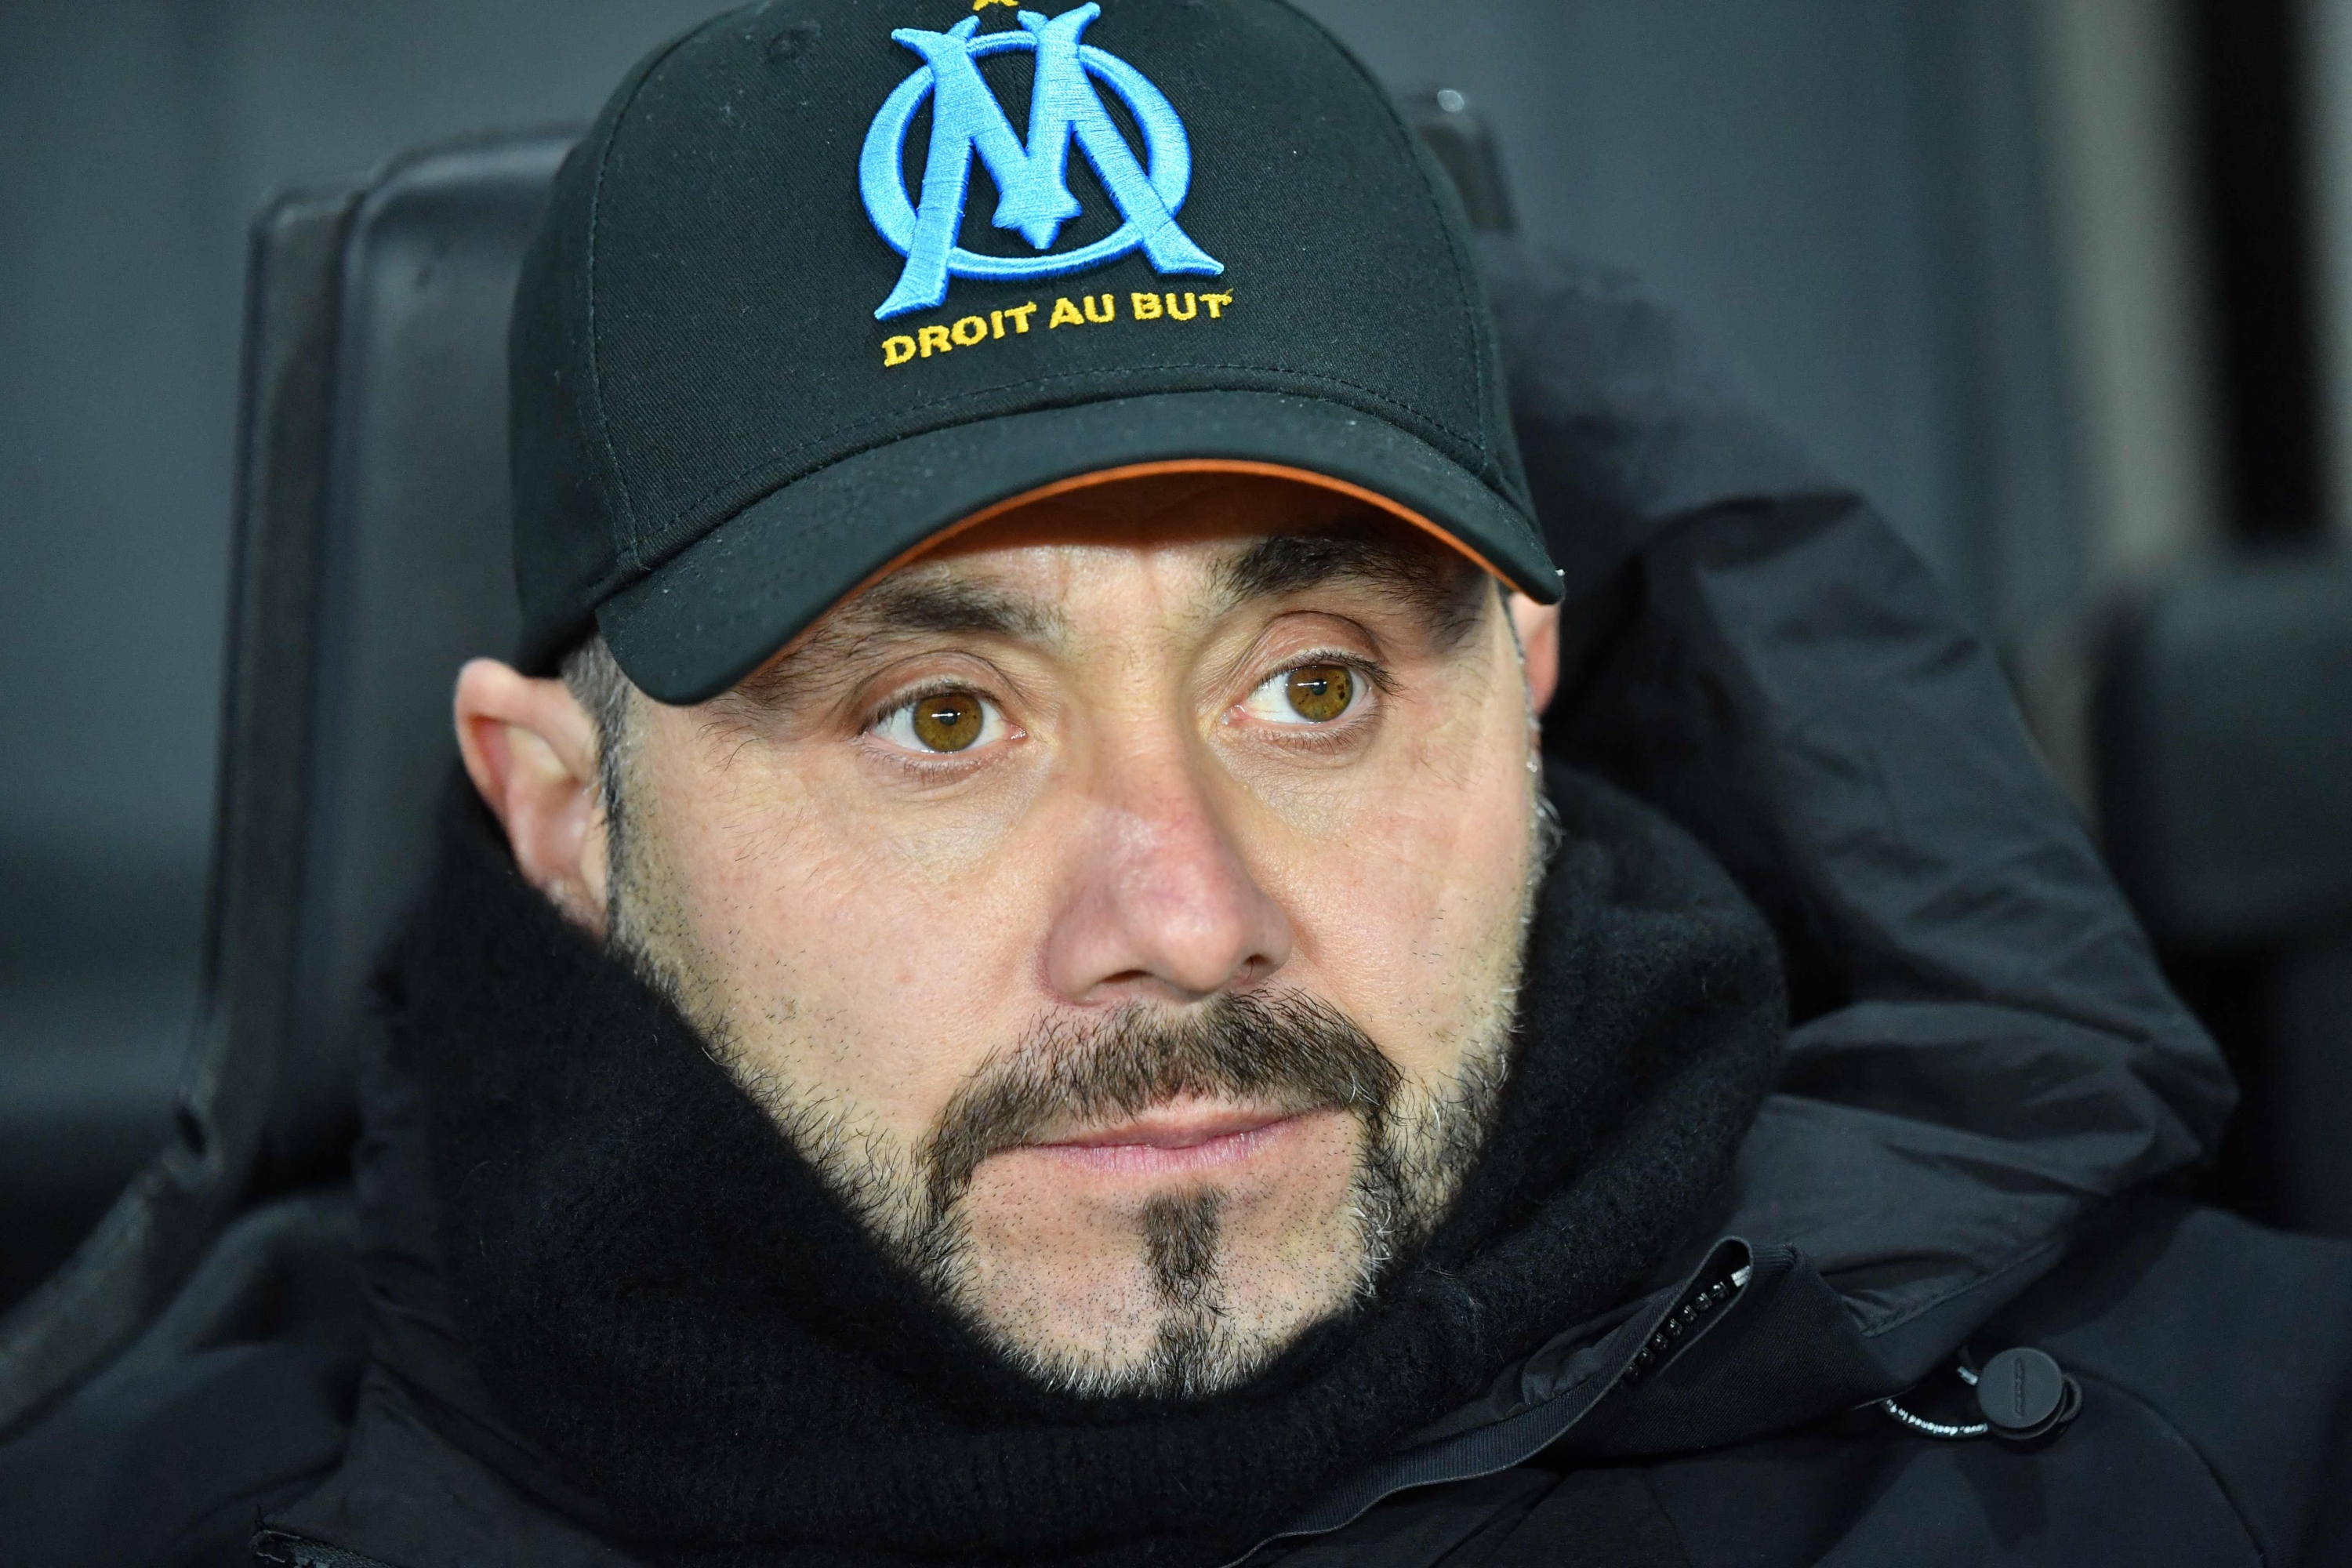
[2062,285]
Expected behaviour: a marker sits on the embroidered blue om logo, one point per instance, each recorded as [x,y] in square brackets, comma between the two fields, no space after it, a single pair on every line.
[1033,194]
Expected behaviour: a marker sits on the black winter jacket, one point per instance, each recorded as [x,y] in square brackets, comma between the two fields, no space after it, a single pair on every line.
[1988,1092]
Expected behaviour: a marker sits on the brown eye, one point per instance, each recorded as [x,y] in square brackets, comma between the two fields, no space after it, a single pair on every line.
[949,722]
[1312,696]
[1320,693]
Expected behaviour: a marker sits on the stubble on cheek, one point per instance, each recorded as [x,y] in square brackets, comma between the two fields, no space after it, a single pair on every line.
[783,924]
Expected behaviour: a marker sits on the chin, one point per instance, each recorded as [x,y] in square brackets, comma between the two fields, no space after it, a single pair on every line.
[1121,1276]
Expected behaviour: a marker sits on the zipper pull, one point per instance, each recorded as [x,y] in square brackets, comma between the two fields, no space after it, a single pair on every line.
[2024,1395]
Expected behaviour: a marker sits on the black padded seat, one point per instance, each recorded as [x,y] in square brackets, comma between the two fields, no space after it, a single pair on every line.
[2225,763]
[414,575]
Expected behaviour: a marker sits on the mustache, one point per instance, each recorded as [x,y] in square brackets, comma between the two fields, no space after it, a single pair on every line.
[1293,1052]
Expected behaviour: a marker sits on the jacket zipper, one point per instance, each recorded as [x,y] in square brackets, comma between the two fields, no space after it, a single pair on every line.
[1489,1450]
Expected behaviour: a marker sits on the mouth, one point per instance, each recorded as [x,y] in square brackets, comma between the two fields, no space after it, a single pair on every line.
[1174,1140]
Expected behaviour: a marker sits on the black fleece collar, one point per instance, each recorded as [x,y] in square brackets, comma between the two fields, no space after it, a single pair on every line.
[663,1308]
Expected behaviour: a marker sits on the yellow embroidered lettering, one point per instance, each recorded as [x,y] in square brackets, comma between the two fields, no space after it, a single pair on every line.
[1098,310]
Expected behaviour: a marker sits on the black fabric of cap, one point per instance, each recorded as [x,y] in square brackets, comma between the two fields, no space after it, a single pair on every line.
[715,438]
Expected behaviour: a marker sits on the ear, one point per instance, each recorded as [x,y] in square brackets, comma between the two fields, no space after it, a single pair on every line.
[530,749]
[1539,629]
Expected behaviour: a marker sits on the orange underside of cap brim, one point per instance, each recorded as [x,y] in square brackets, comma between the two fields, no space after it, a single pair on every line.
[1100,477]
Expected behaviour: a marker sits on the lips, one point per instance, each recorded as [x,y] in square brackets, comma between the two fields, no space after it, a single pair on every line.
[1173,1127]
[1173,1140]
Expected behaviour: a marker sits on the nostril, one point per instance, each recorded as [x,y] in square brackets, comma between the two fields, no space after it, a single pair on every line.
[1250,972]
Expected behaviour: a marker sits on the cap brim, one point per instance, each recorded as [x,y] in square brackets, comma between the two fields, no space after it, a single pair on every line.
[722,607]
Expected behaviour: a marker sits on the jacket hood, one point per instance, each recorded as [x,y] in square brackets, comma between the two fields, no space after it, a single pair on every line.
[1984,1048]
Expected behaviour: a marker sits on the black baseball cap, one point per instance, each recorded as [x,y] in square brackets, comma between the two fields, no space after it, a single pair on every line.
[828,278]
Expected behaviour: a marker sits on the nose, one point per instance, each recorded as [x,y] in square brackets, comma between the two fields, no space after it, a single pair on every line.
[1159,902]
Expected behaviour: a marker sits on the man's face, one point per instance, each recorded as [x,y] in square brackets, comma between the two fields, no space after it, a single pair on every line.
[1123,906]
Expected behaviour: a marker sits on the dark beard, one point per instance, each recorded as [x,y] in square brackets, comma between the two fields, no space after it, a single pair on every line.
[1289,1053]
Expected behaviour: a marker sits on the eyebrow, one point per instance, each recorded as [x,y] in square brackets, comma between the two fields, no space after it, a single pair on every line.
[895,605]
[893,609]
[1440,585]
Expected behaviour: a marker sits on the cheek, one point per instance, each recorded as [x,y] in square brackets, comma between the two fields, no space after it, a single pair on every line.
[857,958]
[1407,901]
